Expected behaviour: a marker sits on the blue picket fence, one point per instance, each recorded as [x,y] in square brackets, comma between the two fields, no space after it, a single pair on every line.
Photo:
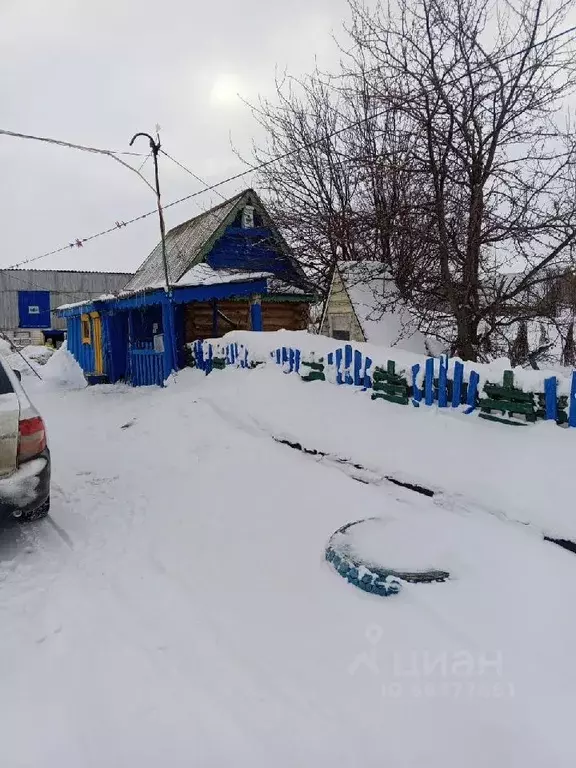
[436,381]
[146,367]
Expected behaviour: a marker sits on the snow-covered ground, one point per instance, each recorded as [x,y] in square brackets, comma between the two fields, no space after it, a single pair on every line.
[175,609]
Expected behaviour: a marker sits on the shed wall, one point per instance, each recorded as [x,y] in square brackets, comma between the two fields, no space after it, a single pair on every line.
[64,287]
[340,315]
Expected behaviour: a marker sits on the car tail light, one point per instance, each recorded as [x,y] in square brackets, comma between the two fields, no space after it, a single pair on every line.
[32,438]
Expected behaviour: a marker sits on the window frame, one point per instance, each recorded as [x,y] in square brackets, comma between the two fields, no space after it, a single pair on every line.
[86,329]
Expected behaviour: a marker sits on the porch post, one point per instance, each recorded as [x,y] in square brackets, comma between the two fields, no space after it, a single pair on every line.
[169,330]
[214,318]
[256,313]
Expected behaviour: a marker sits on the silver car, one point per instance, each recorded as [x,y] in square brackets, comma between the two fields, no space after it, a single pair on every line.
[24,452]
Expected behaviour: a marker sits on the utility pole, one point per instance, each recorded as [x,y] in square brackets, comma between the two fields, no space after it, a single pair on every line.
[155,149]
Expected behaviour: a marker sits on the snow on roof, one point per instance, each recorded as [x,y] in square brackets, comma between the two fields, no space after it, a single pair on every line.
[203,274]
[103,297]
[369,288]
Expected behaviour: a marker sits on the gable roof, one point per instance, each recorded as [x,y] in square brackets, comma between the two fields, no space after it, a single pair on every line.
[189,243]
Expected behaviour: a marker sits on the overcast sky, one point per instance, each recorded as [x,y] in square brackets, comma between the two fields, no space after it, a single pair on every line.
[96,73]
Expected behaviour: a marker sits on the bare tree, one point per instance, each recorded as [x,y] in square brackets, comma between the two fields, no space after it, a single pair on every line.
[453,163]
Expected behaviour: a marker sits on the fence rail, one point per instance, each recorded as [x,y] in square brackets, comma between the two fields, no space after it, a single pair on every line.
[435,381]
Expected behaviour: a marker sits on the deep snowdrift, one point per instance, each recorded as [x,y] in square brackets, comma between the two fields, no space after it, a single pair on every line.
[176,608]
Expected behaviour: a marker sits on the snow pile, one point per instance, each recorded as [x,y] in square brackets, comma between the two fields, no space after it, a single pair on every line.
[369,291]
[523,474]
[261,345]
[38,354]
[398,544]
[26,360]
[63,370]
[176,608]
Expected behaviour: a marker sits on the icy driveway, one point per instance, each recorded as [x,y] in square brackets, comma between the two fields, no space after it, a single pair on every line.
[176,610]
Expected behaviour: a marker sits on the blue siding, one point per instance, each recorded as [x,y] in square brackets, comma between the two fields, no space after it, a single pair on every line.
[83,353]
[247,249]
[34,309]
[115,332]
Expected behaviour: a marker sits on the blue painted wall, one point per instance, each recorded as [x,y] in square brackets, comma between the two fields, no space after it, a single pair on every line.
[83,353]
[247,249]
[34,309]
[115,332]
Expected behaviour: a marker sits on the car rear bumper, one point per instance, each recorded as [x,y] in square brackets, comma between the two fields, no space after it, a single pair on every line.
[27,488]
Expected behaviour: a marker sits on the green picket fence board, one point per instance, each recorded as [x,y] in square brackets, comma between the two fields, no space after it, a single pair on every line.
[503,405]
[382,376]
[495,391]
[390,389]
[399,399]
[499,420]
[508,380]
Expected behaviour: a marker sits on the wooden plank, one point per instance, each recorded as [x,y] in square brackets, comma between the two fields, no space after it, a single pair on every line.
[472,391]
[429,382]
[550,388]
[347,364]
[398,399]
[367,379]
[297,355]
[495,391]
[572,407]
[506,406]
[457,383]
[490,417]
[338,359]
[357,368]
[442,384]
[508,380]
[416,391]
[381,386]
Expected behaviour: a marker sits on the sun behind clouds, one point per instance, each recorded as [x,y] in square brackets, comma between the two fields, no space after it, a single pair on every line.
[227,90]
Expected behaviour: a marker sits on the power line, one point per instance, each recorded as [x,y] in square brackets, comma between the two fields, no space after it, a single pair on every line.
[70,145]
[198,178]
[306,145]
[93,150]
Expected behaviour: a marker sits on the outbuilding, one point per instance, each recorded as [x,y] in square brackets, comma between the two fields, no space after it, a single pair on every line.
[29,298]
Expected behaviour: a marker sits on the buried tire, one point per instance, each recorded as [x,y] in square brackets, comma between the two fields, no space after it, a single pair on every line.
[367,568]
[35,514]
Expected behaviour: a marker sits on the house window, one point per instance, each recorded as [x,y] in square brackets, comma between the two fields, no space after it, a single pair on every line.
[248,217]
[85,321]
[341,335]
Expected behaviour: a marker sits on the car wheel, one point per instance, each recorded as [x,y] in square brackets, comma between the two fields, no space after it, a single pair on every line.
[36,514]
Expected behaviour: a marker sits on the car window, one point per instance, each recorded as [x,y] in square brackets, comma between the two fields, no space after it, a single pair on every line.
[5,383]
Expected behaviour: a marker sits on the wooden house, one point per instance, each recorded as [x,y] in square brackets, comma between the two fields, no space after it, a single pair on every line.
[228,268]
